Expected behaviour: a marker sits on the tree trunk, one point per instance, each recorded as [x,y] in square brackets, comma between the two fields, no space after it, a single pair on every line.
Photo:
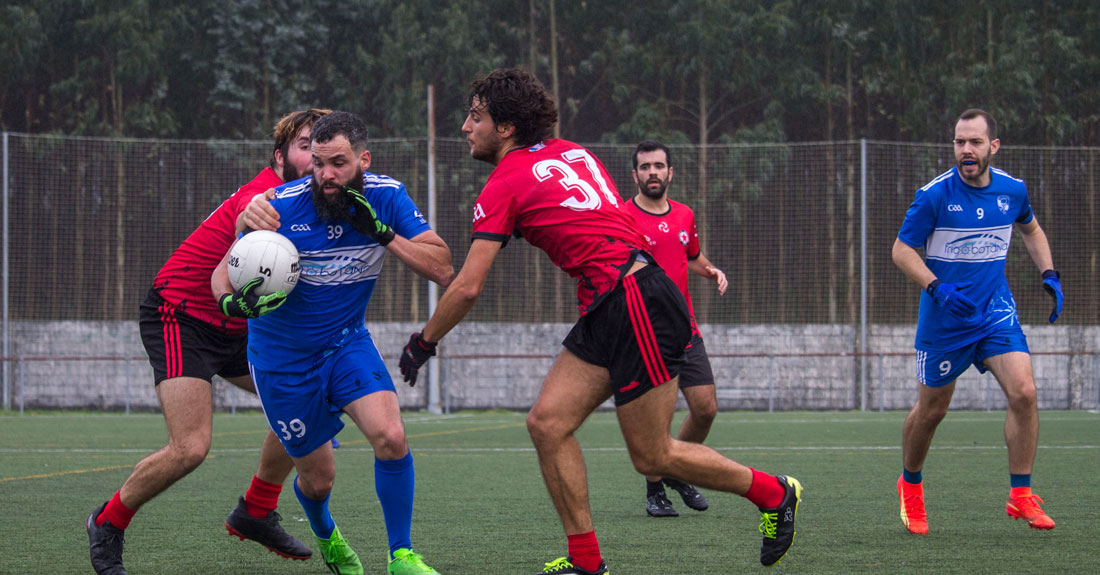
[850,228]
[701,310]
[554,65]
[830,190]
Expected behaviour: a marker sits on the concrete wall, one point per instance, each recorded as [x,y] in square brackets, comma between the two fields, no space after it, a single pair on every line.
[88,365]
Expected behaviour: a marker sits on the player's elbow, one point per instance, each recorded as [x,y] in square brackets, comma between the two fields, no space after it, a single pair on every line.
[445,275]
[466,292]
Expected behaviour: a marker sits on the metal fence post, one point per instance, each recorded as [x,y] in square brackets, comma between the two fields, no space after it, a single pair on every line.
[4,273]
[128,361]
[434,383]
[881,382]
[19,380]
[863,274]
[771,383]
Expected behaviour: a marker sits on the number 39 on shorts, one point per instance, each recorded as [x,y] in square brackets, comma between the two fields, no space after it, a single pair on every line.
[295,428]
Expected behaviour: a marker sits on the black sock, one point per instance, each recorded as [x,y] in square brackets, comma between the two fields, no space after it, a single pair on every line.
[653,487]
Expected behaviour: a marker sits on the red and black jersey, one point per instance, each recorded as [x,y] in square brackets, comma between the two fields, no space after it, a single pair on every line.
[559,197]
[672,238]
[184,280]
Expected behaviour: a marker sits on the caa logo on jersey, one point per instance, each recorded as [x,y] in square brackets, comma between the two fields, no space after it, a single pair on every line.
[683,237]
[954,208]
[1002,204]
[299,228]
[479,212]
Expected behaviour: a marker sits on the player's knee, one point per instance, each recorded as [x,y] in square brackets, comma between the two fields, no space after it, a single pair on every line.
[650,463]
[934,415]
[542,429]
[390,444]
[387,439]
[932,412]
[189,455]
[704,416]
[316,485]
[1024,397]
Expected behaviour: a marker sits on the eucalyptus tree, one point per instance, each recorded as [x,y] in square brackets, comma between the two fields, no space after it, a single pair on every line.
[22,39]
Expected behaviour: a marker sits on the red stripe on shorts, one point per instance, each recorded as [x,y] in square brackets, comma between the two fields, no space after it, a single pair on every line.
[173,358]
[643,333]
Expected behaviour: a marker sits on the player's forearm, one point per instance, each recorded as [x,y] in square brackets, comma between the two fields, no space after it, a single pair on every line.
[456,302]
[699,266]
[1035,239]
[219,280]
[430,259]
[910,262]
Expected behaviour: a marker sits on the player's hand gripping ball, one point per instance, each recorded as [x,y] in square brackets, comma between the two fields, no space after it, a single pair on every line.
[264,254]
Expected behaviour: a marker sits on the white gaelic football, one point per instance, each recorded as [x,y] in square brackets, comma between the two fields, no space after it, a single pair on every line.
[264,254]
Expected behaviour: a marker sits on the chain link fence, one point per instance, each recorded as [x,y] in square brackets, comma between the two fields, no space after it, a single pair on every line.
[803,231]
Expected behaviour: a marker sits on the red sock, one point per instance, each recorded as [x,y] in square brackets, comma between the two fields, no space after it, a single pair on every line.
[118,514]
[262,497]
[766,491]
[584,551]
[1020,492]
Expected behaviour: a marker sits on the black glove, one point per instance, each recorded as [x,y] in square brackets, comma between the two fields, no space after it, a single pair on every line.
[1052,282]
[244,303]
[415,355]
[365,220]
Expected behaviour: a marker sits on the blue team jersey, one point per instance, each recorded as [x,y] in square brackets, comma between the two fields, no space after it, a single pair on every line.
[965,232]
[339,267]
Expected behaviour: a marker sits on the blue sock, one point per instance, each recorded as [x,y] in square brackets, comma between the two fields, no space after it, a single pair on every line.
[911,476]
[317,512]
[395,482]
[1020,479]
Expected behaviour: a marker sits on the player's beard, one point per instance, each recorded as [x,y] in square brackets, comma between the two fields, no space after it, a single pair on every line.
[487,153]
[983,166]
[651,193]
[290,172]
[337,206]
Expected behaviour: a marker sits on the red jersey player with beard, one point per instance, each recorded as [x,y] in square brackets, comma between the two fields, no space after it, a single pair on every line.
[189,340]
[558,196]
[671,236]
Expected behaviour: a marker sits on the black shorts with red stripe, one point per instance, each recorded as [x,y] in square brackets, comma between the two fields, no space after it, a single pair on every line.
[638,333]
[182,346]
[696,369]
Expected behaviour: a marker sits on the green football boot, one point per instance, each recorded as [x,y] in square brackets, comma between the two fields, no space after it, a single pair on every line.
[405,562]
[338,556]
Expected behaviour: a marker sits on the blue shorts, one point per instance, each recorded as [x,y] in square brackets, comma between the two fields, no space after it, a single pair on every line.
[939,368]
[304,409]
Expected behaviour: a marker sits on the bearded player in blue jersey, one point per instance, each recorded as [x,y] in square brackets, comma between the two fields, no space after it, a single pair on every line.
[964,221]
[311,355]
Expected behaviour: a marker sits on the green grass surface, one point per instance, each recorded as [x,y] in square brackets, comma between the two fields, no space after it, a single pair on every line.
[481,506]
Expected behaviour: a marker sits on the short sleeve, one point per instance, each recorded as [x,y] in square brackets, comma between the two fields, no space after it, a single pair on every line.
[920,220]
[693,238]
[1026,214]
[494,213]
[407,220]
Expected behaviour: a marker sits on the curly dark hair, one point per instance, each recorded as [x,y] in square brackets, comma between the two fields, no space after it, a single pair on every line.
[351,126]
[513,96]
